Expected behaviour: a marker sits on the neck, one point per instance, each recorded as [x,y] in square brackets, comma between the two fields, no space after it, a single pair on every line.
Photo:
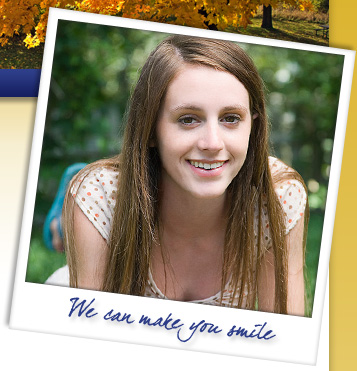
[188,263]
[186,217]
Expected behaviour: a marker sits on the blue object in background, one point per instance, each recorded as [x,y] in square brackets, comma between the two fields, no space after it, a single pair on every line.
[56,208]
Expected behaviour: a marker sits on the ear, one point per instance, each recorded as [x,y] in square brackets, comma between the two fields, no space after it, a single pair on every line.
[255,115]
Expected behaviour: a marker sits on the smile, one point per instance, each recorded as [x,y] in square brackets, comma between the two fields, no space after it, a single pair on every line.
[207,166]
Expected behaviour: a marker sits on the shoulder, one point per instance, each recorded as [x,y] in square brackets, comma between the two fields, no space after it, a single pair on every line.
[290,191]
[96,183]
[94,190]
[277,166]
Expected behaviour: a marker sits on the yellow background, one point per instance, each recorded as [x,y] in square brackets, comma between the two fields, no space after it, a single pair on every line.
[16,122]
[343,278]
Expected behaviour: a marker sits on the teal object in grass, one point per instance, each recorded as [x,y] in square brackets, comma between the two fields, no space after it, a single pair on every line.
[56,208]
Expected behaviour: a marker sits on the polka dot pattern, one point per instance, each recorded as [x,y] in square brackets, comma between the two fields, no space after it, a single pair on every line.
[292,195]
[91,195]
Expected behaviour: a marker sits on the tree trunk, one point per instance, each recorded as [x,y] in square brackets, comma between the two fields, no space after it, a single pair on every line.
[267,17]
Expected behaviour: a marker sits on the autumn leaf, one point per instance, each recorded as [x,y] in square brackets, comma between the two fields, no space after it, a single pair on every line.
[30,16]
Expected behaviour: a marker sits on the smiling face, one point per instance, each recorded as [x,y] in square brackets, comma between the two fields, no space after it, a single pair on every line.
[203,131]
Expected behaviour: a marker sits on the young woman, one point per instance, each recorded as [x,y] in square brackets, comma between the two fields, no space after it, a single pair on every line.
[193,209]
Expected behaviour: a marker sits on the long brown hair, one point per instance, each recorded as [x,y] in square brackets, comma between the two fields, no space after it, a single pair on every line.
[135,220]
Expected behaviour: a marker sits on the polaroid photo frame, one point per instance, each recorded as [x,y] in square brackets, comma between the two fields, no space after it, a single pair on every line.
[165,323]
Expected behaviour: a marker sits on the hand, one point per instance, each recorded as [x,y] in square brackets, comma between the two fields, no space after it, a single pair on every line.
[57,242]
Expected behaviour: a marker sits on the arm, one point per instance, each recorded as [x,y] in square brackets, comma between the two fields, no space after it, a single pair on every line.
[296,290]
[296,284]
[91,252]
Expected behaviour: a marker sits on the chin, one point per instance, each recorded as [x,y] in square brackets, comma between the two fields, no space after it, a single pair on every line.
[209,195]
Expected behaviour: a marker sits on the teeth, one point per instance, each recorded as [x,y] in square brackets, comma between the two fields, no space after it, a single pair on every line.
[206,166]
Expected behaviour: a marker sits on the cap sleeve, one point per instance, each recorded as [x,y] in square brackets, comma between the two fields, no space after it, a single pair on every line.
[292,196]
[95,195]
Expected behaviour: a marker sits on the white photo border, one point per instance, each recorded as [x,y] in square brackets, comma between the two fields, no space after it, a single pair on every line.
[46,309]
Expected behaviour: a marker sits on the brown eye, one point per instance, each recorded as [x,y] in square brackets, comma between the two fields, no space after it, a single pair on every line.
[187,120]
[231,119]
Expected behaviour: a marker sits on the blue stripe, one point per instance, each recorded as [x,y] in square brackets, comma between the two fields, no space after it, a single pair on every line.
[19,83]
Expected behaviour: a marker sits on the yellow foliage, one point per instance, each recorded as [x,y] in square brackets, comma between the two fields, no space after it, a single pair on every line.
[31,41]
[30,17]
[306,5]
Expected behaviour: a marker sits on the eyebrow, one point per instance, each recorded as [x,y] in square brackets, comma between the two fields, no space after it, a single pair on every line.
[238,107]
[187,107]
[196,108]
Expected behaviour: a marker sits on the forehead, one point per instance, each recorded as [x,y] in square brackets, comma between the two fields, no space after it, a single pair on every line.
[199,83]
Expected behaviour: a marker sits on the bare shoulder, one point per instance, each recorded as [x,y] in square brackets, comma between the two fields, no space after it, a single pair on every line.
[91,252]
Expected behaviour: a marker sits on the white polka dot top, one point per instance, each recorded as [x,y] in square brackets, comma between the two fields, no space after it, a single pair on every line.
[95,195]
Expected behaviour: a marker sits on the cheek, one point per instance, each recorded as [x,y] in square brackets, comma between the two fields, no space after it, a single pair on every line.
[167,149]
[170,153]
[239,146]
[171,143]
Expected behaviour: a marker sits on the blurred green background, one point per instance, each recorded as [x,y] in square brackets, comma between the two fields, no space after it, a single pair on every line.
[94,70]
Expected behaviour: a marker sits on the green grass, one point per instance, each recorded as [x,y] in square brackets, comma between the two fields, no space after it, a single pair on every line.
[15,55]
[301,31]
[42,262]
[312,257]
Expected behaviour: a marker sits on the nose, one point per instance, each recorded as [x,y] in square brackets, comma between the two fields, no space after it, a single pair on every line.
[211,137]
